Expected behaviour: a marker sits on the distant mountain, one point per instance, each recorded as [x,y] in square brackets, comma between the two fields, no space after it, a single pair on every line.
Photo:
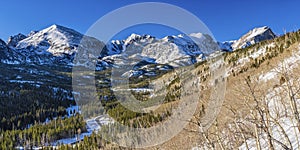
[177,50]
[254,36]
[53,45]
[55,39]
[59,45]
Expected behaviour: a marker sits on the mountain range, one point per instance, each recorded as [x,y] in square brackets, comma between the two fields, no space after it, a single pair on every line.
[60,45]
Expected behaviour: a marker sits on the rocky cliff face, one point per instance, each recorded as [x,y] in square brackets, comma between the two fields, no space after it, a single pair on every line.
[14,40]
[7,55]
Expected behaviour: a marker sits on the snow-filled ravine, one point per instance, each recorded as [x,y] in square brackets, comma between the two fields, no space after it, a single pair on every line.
[93,125]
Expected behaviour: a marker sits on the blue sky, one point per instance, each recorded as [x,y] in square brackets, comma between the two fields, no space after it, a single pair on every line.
[227,19]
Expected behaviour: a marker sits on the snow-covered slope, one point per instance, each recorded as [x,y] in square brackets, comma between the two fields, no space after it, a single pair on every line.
[55,44]
[182,49]
[59,45]
[254,36]
[119,46]
[176,51]
[193,44]
[165,53]
[54,39]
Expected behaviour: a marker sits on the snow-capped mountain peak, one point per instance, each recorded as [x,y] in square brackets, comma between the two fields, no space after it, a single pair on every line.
[55,44]
[56,40]
[194,43]
[137,38]
[60,44]
[133,36]
[258,31]
[197,35]
[254,36]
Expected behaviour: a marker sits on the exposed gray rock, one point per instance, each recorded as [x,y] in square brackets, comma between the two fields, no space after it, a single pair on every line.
[13,40]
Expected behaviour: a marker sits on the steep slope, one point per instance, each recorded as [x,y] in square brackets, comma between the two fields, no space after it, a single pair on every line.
[113,48]
[59,45]
[254,36]
[180,50]
[55,44]
[119,46]
[145,55]
[13,40]
[227,45]
[3,50]
[54,39]
[7,55]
